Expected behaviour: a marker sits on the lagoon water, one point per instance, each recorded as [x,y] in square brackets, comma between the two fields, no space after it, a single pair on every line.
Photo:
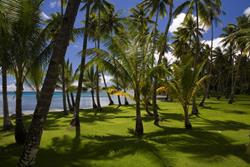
[29,101]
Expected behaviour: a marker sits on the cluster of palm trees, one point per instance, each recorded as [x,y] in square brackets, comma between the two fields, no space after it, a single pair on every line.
[131,49]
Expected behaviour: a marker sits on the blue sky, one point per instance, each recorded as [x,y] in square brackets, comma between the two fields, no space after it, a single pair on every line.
[233,8]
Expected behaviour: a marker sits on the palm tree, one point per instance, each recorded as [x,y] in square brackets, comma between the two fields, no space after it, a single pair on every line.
[33,139]
[75,121]
[29,46]
[90,82]
[214,11]
[35,77]
[62,69]
[233,37]
[5,25]
[199,6]
[185,83]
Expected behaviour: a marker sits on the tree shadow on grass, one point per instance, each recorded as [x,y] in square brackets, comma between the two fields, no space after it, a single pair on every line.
[65,152]
[203,145]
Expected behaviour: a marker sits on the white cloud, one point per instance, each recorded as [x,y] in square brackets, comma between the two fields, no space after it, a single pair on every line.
[178,20]
[44,16]
[217,42]
[247,11]
[170,57]
[54,4]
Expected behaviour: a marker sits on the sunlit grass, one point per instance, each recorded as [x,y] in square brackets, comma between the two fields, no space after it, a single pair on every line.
[218,138]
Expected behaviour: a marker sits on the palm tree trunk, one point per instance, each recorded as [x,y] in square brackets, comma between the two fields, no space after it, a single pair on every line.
[33,139]
[105,84]
[63,75]
[207,89]
[186,115]
[7,125]
[20,132]
[93,98]
[69,103]
[138,124]
[65,111]
[72,99]
[155,82]
[125,99]
[98,89]
[119,101]
[75,121]
[234,80]
[195,110]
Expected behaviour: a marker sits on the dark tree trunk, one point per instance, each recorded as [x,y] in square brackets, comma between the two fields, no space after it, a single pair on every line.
[207,89]
[125,99]
[234,80]
[119,101]
[72,99]
[186,115]
[138,124]
[65,111]
[155,82]
[93,98]
[7,125]
[20,132]
[33,139]
[111,102]
[195,110]
[69,103]
[146,102]
[76,121]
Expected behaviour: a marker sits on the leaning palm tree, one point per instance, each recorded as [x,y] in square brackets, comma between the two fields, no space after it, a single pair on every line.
[33,139]
[184,84]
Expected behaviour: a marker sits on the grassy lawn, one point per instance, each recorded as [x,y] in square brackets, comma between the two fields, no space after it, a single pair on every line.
[218,138]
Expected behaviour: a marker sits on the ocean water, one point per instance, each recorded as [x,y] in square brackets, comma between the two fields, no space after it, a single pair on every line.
[29,101]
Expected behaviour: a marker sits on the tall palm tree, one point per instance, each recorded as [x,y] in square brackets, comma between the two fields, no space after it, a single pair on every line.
[155,8]
[62,2]
[201,12]
[5,25]
[33,139]
[214,11]
[28,46]
[75,121]
[233,37]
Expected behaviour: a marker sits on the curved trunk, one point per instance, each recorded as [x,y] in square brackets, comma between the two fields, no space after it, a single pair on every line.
[146,103]
[75,121]
[32,143]
[105,84]
[7,125]
[93,98]
[20,132]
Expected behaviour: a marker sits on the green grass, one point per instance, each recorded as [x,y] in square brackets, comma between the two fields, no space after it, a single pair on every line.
[218,138]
